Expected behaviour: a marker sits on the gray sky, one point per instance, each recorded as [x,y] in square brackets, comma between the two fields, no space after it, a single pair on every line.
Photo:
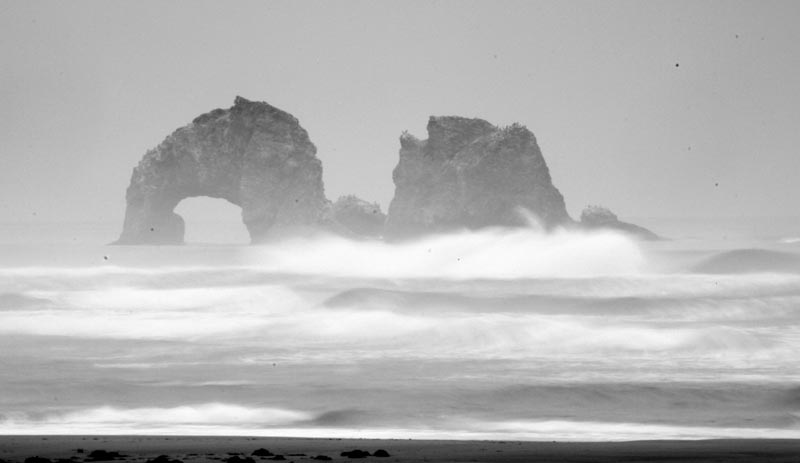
[86,87]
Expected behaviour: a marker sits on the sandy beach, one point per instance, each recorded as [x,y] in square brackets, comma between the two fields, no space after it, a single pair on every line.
[202,449]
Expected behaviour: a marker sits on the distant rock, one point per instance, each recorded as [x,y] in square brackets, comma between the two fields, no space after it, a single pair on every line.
[358,216]
[252,154]
[471,174]
[598,217]
[262,452]
[380,453]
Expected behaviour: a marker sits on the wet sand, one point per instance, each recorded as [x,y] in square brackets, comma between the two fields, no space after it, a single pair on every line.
[140,449]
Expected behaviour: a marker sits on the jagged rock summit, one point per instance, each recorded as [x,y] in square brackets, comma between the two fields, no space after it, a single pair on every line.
[253,154]
[598,217]
[471,174]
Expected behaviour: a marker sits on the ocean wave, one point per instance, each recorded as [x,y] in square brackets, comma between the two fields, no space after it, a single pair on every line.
[135,313]
[489,254]
[719,307]
[115,420]
[750,261]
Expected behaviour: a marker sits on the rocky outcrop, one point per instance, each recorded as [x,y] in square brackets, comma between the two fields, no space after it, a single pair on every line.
[471,174]
[359,217]
[598,217]
[252,154]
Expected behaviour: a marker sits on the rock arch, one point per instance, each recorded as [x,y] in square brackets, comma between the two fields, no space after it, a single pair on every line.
[212,221]
[253,155]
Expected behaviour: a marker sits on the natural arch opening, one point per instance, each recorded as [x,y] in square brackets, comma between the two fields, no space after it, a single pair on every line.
[212,221]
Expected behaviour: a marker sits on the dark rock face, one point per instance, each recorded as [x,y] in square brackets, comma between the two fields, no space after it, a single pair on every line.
[598,217]
[471,174]
[253,155]
[358,216]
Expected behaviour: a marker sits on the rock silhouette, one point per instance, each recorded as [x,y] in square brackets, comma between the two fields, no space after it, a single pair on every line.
[471,174]
[598,217]
[359,217]
[467,174]
[253,155]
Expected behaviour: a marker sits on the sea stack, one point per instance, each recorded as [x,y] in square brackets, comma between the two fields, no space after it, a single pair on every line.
[254,155]
[599,217]
[471,174]
[361,218]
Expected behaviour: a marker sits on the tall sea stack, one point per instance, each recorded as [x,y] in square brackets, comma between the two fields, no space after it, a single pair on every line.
[471,174]
[252,154]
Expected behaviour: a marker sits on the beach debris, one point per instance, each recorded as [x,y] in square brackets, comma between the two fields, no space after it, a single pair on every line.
[37,459]
[238,459]
[357,453]
[164,459]
[102,455]
[262,452]
[380,453]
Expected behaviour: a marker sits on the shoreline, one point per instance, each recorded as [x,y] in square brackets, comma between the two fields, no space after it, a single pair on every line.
[191,449]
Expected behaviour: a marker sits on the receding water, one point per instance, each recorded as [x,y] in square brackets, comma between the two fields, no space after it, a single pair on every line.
[509,334]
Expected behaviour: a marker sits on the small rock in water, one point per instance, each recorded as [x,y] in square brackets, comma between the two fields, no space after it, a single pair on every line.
[262,452]
[380,453]
[356,454]
[322,457]
[278,458]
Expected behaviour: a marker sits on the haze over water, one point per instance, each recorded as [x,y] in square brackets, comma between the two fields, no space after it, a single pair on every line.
[508,334]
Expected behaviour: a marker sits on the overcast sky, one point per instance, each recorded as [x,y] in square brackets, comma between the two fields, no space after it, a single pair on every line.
[651,108]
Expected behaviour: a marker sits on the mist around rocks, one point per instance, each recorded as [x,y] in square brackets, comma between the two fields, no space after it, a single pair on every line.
[468,174]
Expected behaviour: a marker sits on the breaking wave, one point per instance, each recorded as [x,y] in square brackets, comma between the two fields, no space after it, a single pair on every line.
[751,261]
[484,254]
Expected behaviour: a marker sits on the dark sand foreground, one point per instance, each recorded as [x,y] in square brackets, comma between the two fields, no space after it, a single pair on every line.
[219,449]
